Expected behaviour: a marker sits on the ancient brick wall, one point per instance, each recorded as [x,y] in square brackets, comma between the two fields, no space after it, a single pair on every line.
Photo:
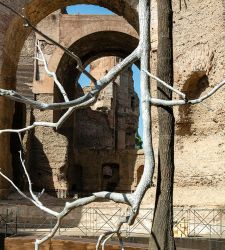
[198,66]
[198,52]
[109,125]
[199,49]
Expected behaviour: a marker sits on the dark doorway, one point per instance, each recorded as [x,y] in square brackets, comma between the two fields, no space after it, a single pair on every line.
[110,176]
[75,178]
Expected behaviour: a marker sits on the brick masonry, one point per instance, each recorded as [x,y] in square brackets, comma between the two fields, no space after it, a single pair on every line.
[199,63]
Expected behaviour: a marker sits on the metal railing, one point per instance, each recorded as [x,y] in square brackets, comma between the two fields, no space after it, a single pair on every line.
[93,221]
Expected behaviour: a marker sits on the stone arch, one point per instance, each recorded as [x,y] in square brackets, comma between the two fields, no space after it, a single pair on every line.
[90,43]
[89,48]
[106,29]
[94,46]
[13,30]
[36,10]
[110,43]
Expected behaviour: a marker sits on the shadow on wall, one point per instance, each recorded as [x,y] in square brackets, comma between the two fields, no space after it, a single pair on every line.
[140,171]
[193,88]
[19,121]
[40,170]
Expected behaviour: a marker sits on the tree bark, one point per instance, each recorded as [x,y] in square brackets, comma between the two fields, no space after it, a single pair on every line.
[162,228]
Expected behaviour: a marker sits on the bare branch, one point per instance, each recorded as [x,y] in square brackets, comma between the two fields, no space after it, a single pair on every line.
[159,102]
[38,242]
[149,164]
[17,189]
[29,181]
[106,239]
[52,74]
[165,84]
[35,198]
[116,197]
[101,84]
[35,124]
[109,234]
[120,241]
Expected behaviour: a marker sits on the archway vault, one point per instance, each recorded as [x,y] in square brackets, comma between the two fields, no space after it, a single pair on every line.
[36,10]
[89,37]
[96,38]
[12,37]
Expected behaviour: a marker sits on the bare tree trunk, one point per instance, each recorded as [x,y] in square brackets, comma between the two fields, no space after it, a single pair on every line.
[162,228]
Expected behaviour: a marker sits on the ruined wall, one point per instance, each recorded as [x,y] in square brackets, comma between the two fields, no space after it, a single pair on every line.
[59,161]
[198,67]
[91,164]
[111,123]
[47,149]
[198,50]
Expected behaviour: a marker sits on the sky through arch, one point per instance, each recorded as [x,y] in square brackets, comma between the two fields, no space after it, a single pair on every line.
[87,9]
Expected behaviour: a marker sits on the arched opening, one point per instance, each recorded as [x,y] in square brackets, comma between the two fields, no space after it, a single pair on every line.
[36,10]
[104,40]
[17,32]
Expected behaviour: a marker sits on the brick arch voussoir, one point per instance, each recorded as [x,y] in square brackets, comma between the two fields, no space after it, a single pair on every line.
[15,35]
[81,33]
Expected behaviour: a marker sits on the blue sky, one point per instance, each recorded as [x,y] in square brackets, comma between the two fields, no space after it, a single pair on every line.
[84,9]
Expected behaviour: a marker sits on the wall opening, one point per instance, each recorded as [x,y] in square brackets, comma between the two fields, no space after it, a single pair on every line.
[110,176]
[196,84]
[75,178]
[114,118]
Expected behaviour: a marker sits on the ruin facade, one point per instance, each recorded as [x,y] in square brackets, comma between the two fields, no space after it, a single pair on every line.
[198,66]
[95,149]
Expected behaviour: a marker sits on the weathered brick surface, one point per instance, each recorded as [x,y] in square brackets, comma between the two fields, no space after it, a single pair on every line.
[101,127]
[12,37]
[198,51]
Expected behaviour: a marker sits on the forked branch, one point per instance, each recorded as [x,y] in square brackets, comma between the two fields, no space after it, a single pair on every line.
[160,102]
